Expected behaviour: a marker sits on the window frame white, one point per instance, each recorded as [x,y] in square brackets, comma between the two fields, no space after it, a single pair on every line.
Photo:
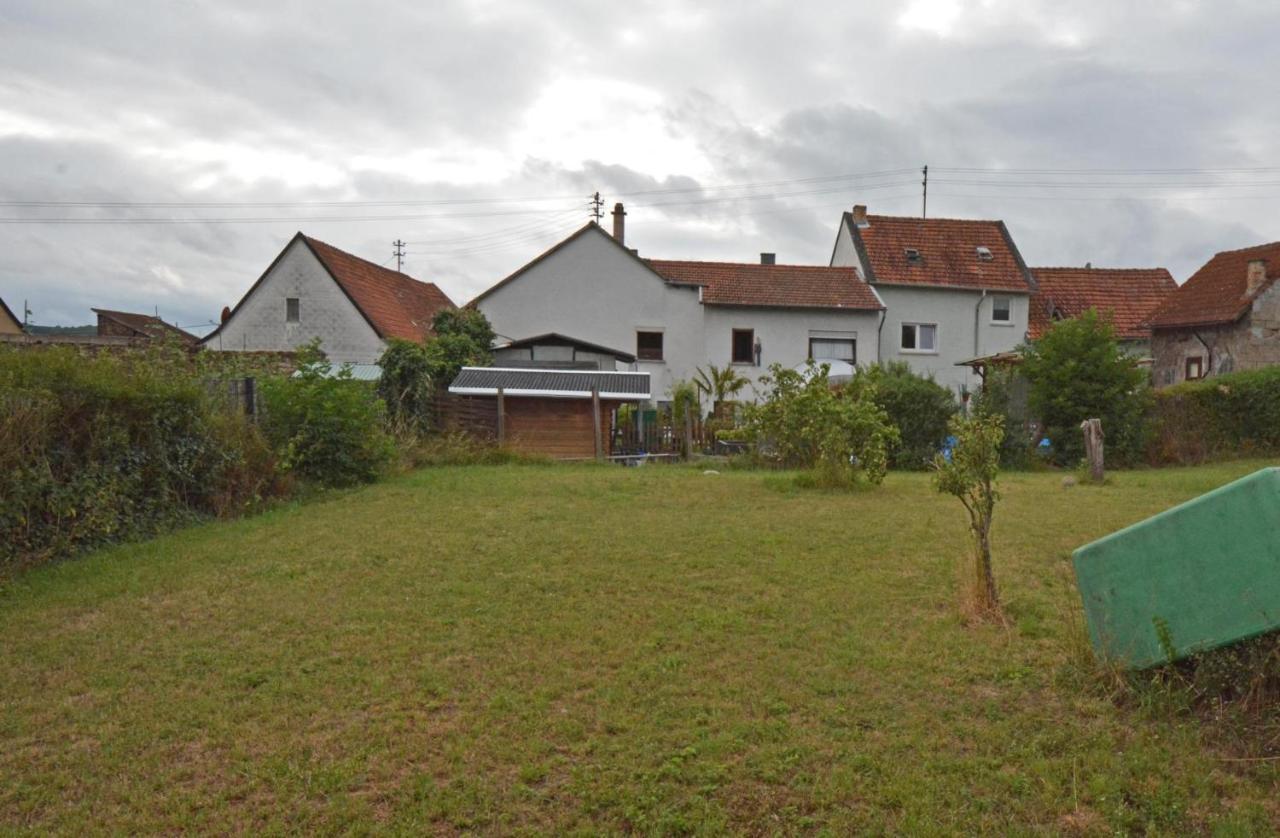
[916,350]
[1008,310]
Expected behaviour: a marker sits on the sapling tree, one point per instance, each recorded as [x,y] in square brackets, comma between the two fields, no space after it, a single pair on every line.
[968,471]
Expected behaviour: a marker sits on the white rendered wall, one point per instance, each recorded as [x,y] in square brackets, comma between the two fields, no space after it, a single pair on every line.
[325,312]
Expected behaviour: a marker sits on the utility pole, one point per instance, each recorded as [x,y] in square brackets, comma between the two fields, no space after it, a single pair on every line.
[924,198]
[26,315]
[399,246]
[597,207]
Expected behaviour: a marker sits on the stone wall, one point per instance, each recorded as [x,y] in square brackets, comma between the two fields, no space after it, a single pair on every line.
[1251,342]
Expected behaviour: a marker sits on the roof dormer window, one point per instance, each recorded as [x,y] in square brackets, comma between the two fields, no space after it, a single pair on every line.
[984,253]
[913,255]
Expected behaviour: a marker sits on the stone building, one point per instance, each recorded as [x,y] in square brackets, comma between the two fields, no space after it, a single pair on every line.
[1225,318]
[127,324]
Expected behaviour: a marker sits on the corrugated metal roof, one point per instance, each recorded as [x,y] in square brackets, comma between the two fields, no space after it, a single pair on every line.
[359,372]
[565,384]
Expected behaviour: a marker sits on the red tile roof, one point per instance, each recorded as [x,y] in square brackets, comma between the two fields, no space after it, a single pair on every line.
[1127,296]
[396,305]
[145,324]
[947,250]
[772,286]
[1215,294]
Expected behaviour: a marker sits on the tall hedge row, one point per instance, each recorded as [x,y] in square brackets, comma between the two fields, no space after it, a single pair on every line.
[99,449]
[1229,415]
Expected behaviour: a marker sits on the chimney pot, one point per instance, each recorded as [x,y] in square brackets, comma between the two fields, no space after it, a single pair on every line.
[860,215]
[768,258]
[619,223]
[1256,276]
[226,314]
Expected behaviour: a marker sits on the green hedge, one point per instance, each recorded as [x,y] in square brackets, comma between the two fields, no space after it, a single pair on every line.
[99,449]
[1229,415]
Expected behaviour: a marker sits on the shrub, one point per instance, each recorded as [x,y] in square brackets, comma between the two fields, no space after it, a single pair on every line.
[1228,415]
[95,449]
[405,386]
[1078,371]
[1003,394]
[461,449]
[463,338]
[326,427]
[917,405]
[969,473]
[840,433]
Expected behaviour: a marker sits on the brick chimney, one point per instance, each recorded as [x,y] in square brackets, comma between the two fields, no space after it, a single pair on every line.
[860,215]
[1256,276]
[619,223]
[768,258]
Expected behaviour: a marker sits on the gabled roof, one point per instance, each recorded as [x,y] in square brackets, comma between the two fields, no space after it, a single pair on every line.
[563,384]
[586,229]
[394,305]
[10,313]
[771,286]
[946,252]
[557,339]
[1216,294]
[1127,296]
[145,324]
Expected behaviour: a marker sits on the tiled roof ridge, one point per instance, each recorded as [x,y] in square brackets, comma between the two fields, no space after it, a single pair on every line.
[787,265]
[929,219]
[375,265]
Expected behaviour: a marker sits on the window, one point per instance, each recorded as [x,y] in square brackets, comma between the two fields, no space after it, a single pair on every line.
[984,253]
[649,346]
[291,310]
[1195,368]
[913,255]
[1000,312]
[919,337]
[833,349]
[744,346]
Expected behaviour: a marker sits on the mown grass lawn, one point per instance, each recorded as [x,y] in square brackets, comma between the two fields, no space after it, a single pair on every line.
[584,649]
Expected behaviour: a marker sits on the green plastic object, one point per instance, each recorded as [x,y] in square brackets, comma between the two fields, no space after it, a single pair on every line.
[1195,577]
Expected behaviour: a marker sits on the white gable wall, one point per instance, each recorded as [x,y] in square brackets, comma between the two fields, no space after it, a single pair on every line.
[592,290]
[326,312]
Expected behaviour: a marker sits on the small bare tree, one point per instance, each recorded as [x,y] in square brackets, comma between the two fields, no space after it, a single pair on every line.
[968,472]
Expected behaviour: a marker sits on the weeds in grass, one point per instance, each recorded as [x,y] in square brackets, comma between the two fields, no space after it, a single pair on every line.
[460,449]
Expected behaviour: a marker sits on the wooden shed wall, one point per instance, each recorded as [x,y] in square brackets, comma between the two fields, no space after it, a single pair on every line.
[558,428]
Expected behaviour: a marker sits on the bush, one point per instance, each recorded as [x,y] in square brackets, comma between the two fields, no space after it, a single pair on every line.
[95,449]
[1078,371]
[326,427]
[463,338]
[1228,415]
[918,406]
[842,433]
[405,386]
[1003,395]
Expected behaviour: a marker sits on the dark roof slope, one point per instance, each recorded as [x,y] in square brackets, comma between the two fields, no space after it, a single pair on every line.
[1216,293]
[557,339]
[771,286]
[485,381]
[396,305]
[1127,296]
[947,251]
[145,324]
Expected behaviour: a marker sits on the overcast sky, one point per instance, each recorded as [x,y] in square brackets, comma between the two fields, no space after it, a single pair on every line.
[476,130]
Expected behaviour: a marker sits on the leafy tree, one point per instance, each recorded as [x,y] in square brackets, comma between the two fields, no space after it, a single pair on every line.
[919,406]
[841,433]
[685,406]
[325,426]
[720,384]
[1078,371]
[405,385]
[463,338]
[968,472]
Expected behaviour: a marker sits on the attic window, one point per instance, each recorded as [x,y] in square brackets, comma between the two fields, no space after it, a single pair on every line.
[291,310]
[913,255]
[984,253]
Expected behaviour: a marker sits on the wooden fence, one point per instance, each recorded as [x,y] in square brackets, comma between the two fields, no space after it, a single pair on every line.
[240,395]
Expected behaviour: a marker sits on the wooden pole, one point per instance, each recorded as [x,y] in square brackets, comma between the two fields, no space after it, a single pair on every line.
[1093,435]
[595,418]
[502,417]
[688,432]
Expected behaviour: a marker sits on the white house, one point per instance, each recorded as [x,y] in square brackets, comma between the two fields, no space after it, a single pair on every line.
[677,316]
[955,289]
[314,290]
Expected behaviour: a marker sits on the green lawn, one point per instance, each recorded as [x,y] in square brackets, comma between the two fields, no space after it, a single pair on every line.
[586,649]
